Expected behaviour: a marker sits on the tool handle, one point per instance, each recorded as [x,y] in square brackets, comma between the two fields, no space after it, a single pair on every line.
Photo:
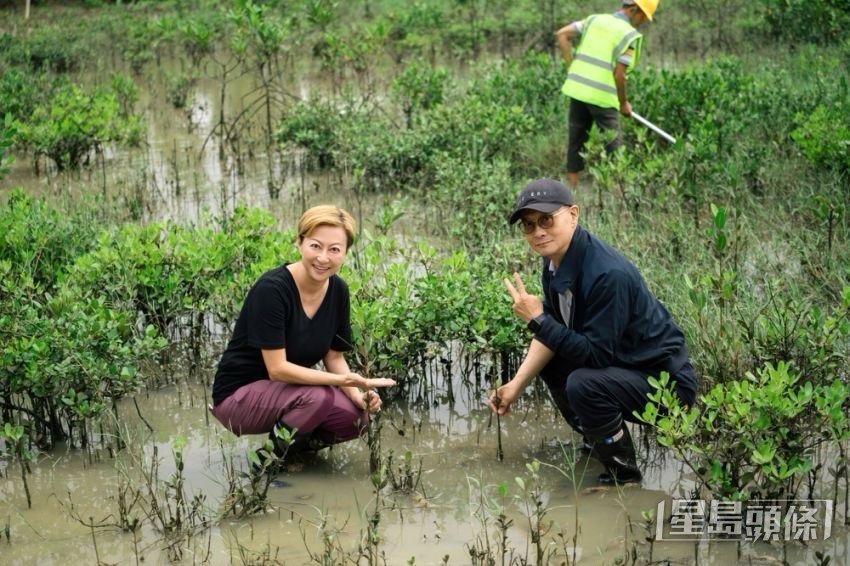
[641,120]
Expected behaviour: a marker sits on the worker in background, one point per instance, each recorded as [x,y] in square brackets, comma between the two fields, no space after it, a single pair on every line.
[599,332]
[609,45]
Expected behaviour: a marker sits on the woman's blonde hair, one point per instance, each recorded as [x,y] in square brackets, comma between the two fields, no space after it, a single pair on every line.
[326,215]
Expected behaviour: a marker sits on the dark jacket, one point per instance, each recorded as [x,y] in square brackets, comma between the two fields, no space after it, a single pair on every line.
[616,320]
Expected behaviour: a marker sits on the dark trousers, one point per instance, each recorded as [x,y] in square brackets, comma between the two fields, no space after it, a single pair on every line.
[596,401]
[582,117]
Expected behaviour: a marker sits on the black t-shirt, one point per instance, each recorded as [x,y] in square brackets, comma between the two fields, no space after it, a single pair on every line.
[272,318]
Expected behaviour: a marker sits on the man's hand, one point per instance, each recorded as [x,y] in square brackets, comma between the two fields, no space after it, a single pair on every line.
[626,108]
[525,306]
[500,400]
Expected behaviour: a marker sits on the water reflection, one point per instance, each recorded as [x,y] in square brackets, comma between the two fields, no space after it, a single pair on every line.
[456,448]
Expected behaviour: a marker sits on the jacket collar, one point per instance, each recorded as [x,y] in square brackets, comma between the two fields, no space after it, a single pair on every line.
[570,268]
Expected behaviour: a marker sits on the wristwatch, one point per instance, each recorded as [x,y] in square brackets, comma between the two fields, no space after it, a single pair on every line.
[536,323]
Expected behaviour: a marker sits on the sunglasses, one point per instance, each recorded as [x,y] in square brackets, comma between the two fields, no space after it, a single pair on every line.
[545,221]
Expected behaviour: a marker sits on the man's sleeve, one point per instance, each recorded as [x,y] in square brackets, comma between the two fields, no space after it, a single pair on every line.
[578,26]
[266,310]
[607,314]
[343,341]
[626,57]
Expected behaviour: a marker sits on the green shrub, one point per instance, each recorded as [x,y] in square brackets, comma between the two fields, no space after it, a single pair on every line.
[754,438]
[411,306]
[170,275]
[816,21]
[824,136]
[20,92]
[178,87]
[470,201]
[419,87]
[59,49]
[477,129]
[531,82]
[126,92]
[7,137]
[41,240]
[313,126]
[382,156]
[141,39]
[64,358]
[72,123]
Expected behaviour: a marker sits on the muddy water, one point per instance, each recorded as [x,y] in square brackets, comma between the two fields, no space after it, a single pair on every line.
[457,450]
[179,172]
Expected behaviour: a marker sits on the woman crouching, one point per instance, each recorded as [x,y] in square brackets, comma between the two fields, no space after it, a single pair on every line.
[293,317]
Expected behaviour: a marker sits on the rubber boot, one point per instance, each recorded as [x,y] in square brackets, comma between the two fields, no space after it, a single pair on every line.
[615,449]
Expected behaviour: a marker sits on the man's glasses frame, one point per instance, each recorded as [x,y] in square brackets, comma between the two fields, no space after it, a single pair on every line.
[545,221]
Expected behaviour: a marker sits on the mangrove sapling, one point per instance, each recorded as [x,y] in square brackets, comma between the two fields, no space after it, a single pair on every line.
[734,441]
[373,438]
[503,523]
[332,552]
[495,509]
[247,493]
[845,470]
[7,135]
[631,540]
[648,525]
[497,402]
[266,556]
[370,545]
[575,475]
[125,521]
[17,439]
[404,477]
[262,39]
[534,501]
[226,68]
[166,504]
[630,552]
[419,86]
[481,552]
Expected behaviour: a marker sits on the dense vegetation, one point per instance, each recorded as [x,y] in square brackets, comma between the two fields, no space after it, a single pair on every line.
[741,228]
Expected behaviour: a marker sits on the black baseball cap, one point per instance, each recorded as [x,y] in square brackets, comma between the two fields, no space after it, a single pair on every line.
[542,195]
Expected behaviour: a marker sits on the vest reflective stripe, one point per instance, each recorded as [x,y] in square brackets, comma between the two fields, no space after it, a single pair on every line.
[594,61]
[621,47]
[591,83]
[604,39]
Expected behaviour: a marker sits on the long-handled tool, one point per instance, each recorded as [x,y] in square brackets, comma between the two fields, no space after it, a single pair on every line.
[653,127]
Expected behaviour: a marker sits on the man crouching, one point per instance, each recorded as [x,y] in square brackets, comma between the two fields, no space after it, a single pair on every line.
[598,332]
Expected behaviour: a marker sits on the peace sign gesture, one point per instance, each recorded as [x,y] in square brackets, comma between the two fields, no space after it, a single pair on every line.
[525,306]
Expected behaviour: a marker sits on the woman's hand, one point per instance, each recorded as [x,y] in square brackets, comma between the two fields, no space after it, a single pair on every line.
[365,400]
[356,380]
[361,391]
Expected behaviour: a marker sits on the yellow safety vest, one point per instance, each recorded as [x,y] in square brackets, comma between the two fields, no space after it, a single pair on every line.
[604,39]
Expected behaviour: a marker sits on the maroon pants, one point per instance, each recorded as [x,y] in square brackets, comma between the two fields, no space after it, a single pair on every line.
[324,410]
